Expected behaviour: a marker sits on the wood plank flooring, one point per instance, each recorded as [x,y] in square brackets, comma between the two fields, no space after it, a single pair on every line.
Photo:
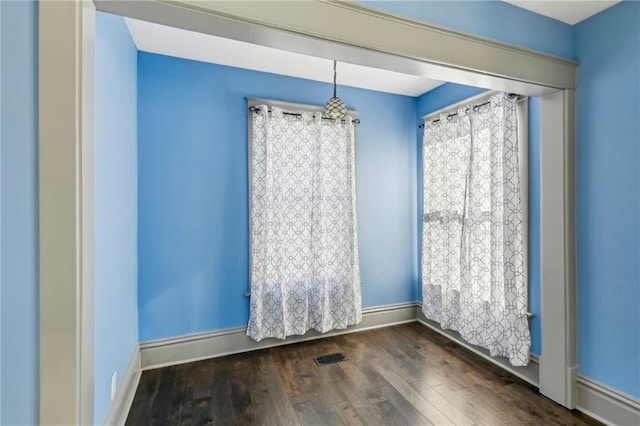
[401,375]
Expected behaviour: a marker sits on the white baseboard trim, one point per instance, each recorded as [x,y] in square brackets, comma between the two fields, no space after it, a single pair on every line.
[529,374]
[599,401]
[198,346]
[572,392]
[121,404]
[608,405]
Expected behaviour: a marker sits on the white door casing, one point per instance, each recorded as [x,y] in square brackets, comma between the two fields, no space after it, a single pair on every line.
[357,34]
[66,210]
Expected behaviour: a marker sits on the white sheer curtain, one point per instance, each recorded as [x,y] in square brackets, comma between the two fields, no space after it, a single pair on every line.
[473,266]
[304,248]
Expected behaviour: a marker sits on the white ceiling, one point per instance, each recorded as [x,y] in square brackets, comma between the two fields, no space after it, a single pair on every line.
[155,38]
[568,11]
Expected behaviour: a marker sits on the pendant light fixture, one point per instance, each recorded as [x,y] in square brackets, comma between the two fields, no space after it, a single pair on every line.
[334,108]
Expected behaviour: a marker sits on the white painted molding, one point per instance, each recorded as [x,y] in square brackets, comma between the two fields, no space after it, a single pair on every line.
[557,247]
[212,344]
[534,358]
[392,42]
[529,373]
[66,32]
[121,404]
[608,405]
[87,215]
[570,245]
[358,34]
[193,347]
[599,401]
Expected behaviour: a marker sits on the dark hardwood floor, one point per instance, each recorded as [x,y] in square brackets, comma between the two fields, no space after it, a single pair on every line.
[401,375]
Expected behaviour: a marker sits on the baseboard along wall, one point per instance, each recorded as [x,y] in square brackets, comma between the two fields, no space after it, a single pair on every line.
[594,399]
[121,404]
[194,347]
[608,405]
[529,374]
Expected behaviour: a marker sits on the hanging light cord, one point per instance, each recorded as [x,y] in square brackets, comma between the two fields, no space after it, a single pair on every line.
[334,80]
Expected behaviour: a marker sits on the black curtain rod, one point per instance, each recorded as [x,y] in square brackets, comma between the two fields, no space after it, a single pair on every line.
[475,108]
[253,109]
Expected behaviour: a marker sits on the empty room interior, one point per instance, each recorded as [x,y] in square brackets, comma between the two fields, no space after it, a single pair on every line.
[286,220]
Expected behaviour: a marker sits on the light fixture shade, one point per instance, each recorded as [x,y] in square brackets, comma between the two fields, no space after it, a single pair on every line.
[335,109]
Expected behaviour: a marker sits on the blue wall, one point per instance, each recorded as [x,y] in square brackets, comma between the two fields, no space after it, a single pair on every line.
[608,205]
[608,209]
[19,201]
[193,218]
[607,281]
[493,19]
[116,206]
[450,93]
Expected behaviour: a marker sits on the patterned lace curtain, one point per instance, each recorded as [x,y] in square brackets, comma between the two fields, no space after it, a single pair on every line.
[304,249]
[473,266]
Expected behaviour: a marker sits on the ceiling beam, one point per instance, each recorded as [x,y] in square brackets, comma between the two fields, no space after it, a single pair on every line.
[354,33]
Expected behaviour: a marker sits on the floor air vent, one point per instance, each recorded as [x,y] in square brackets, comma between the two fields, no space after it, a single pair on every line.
[330,359]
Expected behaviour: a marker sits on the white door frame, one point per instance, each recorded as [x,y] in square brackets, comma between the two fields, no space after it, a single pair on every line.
[332,29]
[66,35]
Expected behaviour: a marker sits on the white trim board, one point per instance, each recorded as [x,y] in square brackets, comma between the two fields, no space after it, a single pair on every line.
[449,56]
[66,33]
[358,34]
[599,401]
[212,344]
[557,247]
[608,405]
[121,404]
[228,341]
